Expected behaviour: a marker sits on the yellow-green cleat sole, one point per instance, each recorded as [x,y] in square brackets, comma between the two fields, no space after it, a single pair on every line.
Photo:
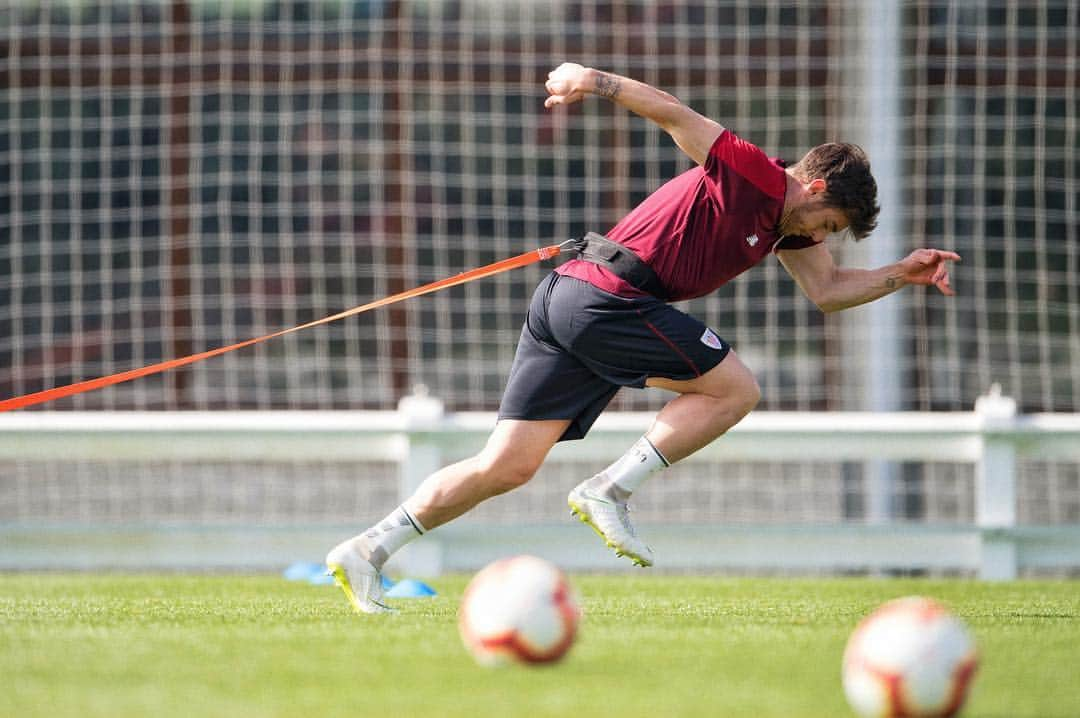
[583,517]
[341,579]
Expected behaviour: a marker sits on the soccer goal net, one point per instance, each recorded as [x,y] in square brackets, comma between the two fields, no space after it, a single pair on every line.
[179,176]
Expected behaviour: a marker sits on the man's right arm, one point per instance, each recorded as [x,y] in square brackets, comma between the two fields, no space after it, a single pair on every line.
[693,133]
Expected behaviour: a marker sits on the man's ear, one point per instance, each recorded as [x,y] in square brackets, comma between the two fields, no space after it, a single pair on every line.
[816,186]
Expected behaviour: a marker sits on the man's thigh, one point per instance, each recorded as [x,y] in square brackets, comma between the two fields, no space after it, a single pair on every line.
[729,377]
[580,344]
[629,341]
[547,382]
[524,441]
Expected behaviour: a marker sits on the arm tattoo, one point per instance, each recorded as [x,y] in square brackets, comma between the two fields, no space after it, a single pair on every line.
[607,86]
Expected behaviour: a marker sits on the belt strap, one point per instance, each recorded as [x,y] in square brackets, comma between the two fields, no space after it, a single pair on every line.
[622,262]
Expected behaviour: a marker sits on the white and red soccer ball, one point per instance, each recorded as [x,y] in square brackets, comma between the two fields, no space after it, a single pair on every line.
[910,658]
[519,610]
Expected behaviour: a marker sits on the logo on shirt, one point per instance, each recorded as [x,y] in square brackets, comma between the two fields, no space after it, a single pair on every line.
[752,240]
[712,341]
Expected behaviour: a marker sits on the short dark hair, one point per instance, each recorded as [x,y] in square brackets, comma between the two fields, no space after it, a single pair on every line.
[849,186]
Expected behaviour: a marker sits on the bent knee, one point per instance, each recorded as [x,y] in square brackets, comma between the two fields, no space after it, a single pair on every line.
[504,472]
[736,402]
[737,393]
[750,396]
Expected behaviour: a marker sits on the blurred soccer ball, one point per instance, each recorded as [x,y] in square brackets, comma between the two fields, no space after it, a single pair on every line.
[910,658]
[520,609]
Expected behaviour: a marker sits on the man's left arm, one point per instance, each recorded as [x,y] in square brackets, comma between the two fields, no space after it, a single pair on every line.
[833,288]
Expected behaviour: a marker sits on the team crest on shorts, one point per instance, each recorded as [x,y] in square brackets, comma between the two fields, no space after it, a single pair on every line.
[712,341]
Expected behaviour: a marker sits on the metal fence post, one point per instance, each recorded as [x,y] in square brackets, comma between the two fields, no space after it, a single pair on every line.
[995,486]
[422,415]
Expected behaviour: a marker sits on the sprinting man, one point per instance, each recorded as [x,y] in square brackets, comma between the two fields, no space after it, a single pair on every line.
[602,321]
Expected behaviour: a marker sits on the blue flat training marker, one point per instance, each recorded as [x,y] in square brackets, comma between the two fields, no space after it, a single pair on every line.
[321,577]
[302,570]
[410,588]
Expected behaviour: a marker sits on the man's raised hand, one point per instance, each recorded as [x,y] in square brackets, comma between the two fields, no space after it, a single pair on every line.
[566,84]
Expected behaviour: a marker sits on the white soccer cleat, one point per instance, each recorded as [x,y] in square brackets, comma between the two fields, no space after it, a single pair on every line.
[609,518]
[361,582]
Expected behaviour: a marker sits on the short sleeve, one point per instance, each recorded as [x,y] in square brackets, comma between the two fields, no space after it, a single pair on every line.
[730,153]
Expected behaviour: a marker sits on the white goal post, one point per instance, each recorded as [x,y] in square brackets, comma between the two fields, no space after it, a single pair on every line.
[420,437]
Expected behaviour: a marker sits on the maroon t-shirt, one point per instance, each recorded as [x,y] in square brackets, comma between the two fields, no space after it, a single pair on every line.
[705,226]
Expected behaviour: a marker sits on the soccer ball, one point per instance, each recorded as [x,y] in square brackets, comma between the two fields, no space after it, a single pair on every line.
[520,609]
[910,658]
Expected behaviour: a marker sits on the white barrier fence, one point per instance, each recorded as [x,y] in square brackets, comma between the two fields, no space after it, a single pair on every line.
[420,438]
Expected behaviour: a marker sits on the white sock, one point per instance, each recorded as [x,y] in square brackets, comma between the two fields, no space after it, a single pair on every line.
[630,470]
[384,538]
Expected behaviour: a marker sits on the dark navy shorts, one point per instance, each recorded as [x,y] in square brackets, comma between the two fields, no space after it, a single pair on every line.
[580,344]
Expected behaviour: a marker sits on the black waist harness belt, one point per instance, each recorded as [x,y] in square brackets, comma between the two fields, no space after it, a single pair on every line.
[621,262]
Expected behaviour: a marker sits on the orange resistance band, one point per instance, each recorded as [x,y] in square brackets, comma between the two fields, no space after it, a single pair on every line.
[41,397]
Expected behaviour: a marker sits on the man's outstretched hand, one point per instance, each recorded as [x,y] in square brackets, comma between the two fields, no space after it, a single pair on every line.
[929,267]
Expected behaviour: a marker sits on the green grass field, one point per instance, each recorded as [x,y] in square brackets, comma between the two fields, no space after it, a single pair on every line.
[650,645]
